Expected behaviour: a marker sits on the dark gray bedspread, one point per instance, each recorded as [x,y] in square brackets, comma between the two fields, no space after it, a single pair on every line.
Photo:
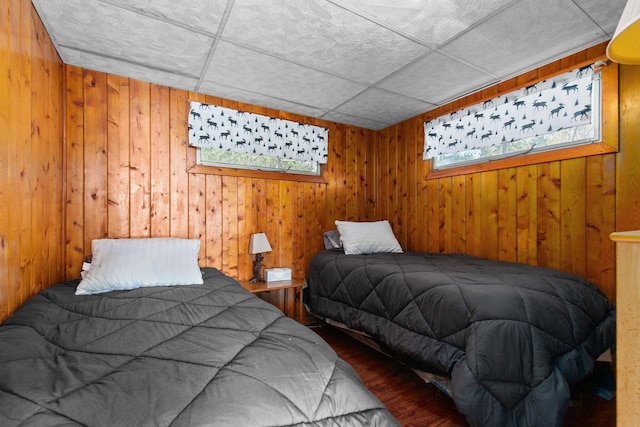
[511,336]
[197,355]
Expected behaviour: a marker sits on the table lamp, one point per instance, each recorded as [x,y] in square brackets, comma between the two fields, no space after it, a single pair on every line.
[258,244]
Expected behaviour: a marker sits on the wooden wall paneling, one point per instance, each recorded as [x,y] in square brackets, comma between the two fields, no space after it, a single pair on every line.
[458,214]
[339,184]
[628,160]
[95,157]
[179,109]
[7,132]
[213,242]
[549,186]
[160,209]
[31,160]
[600,222]
[402,207]
[321,219]
[38,158]
[230,227]
[507,215]
[298,237]
[23,153]
[489,215]
[352,177]
[445,209]
[432,222]
[411,204]
[573,215]
[245,226]
[361,178]
[422,169]
[474,214]
[140,158]
[118,152]
[527,214]
[393,171]
[74,161]
[55,169]
[384,174]
[311,231]
[371,179]
[197,200]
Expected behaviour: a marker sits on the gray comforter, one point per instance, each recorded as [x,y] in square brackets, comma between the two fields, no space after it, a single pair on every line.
[209,354]
[512,337]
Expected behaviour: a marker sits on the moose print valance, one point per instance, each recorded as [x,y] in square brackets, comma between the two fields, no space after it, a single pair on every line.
[222,128]
[547,106]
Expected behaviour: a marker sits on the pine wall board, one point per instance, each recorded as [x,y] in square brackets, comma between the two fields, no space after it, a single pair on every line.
[130,174]
[31,157]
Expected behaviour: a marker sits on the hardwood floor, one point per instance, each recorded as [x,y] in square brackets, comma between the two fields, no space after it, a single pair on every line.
[416,403]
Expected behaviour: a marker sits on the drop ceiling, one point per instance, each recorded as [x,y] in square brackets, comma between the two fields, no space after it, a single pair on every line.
[368,63]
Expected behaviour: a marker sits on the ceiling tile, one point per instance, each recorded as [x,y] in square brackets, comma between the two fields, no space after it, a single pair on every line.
[511,42]
[259,99]
[96,27]
[126,69]
[604,13]
[423,80]
[355,121]
[383,106]
[234,66]
[320,35]
[430,21]
[200,15]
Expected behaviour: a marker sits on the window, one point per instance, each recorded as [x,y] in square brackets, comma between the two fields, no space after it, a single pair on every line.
[216,157]
[239,139]
[561,112]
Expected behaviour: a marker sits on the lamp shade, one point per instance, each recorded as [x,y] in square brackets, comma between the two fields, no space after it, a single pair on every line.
[259,243]
[625,44]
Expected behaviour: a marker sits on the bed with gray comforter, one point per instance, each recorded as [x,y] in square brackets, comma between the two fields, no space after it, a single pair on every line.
[210,354]
[512,337]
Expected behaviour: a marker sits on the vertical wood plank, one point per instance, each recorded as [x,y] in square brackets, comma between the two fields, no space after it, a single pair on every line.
[573,216]
[474,214]
[507,215]
[549,186]
[140,158]
[600,222]
[527,215]
[213,244]
[74,153]
[178,152]
[95,157]
[458,215]
[160,166]
[118,151]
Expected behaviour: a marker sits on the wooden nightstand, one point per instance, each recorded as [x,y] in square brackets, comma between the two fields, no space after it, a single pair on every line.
[291,304]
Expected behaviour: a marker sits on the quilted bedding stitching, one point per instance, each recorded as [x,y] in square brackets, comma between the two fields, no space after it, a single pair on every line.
[590,310]
[266,329]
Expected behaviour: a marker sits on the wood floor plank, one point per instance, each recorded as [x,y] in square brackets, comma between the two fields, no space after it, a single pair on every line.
[416,403]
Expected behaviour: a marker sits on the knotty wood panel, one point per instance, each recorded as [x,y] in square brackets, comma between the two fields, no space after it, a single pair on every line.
[127,174]
[31,160]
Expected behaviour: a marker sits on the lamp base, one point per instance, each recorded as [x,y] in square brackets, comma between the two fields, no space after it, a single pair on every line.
[257,267]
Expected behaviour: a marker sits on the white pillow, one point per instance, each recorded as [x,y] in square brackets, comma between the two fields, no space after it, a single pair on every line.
[121,264]
[367,237]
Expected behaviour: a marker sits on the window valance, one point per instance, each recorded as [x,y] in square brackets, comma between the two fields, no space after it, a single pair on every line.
[545,107]
[211,126]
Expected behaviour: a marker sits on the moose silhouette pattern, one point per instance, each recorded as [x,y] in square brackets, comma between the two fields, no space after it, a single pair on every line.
[548,106]
[211,126]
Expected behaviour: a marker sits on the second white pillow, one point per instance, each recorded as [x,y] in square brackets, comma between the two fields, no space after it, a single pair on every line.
[367,237]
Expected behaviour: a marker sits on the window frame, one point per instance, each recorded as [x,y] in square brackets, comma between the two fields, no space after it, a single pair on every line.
[608,130]
[199,161]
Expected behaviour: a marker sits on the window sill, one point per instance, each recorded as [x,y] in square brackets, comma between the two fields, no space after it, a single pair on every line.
[524,160]
[251,173]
